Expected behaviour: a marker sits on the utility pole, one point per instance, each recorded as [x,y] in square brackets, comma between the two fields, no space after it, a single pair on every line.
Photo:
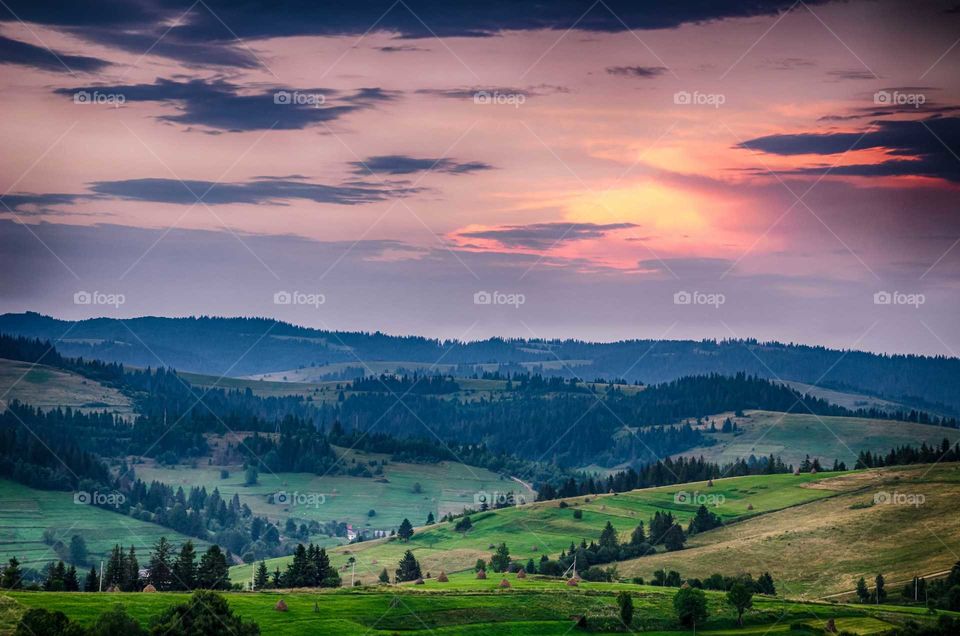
[100,582]
[353,570]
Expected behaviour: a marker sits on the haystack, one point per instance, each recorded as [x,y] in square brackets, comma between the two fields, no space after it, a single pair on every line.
[573,582]
[481,574]
[504,584]
[521,573]
[418,582]
[442,578]
[149,588]
[280,606]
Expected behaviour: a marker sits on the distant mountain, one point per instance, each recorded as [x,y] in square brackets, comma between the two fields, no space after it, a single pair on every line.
[248,346]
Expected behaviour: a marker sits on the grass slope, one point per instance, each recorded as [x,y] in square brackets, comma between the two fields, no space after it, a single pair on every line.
[793,436]
[444,487]
[466,606]
[545,528]
[25,513]
[823,547]
[48,387]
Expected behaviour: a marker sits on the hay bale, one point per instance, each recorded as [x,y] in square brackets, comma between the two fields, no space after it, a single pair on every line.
[504,584]
[709,483]
[749,506]
[280,606]
[573,582]
[521,573]
[113,588]
[442,578]
[831,626]
[418,582]
[149,588]
[481,574]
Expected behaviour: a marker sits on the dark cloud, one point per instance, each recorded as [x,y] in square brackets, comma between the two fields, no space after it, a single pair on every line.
[546,235]
[24,54]
[403,164]
[206,33]
[917,147]
[258,191]
[27,202]
[404,48]
[840,75]
[645,72]
[220,105]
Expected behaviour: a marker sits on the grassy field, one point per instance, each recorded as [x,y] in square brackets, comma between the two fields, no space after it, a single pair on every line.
[25,513]
[47,387]
[444,487]
[823,547]
[545,528]
[793,435]
[466,606]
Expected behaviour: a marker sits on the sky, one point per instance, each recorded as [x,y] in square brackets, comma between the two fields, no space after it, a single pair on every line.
[596,170]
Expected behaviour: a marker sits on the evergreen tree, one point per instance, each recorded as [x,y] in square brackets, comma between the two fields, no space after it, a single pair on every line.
[116,572]
[185,568]
[430,519]
[92,582]
[70,581]
[409,568]
[881,593]
[500,561]
[674,538]
[131,577]
[384,577]
[12,577]
[531,567]
[213,573]
[261,578]
[608,537]
[160,566]
[863,593]
[765,585]
[405,531]
[638,536]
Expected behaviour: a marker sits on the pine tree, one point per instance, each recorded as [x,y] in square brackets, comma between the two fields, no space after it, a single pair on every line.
[881,593]
[92,582]
[12,577]
[405,531]
[625,603]
[185,568]
[212,573]
[863,593]
[384,577]
[116,569]
[132,575]
[70,581]
[430,519]
[638,536]
[261,578]
[78,550]
[409,568]
[161,566]
[608,537]
[500,561]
